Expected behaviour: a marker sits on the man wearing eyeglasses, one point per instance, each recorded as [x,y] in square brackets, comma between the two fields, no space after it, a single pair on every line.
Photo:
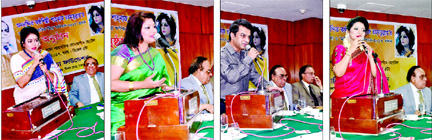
[416,97]
[87,88]
[309,88]
[199,79]
[278,77]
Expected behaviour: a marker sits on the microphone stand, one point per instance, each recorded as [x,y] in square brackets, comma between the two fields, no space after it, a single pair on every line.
[175,70]
[261,91]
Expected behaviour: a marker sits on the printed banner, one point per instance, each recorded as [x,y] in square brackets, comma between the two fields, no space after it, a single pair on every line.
[258,39]
[69,34]
[166,24]
[395,44]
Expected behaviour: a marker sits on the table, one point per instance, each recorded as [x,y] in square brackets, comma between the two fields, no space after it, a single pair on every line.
[209,131]
[84,117]
[296,125]
[405,132]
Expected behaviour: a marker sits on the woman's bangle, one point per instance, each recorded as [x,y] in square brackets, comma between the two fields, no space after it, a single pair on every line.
[28,74]
[349,55]
[131,87]
[162,87]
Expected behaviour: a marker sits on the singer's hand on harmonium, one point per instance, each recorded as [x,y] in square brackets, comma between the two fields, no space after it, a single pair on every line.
[253,53]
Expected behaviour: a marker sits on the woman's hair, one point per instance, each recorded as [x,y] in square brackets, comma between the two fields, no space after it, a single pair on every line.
[411,37]
[171,22]
[93,25]
[27,31]
[261,35]
[133,35]
[363,20]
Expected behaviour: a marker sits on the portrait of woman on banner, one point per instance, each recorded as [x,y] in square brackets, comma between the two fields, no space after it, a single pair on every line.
[96,19]
[405,43]
[34,69]
[8,45]
[137,69]
[167,28]
[354,66]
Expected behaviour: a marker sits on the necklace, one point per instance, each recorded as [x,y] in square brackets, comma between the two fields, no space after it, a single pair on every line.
[148,50]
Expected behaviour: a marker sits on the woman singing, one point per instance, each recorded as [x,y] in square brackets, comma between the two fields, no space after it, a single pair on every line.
[353,64]
[34,70]
[137,69]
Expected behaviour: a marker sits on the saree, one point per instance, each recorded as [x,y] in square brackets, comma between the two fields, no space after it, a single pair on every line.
[38,82]
[358,79]
[135,69]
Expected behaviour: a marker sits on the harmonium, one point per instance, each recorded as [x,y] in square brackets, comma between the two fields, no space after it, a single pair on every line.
[255,110]
[35,118]
[367,114]
[162,118]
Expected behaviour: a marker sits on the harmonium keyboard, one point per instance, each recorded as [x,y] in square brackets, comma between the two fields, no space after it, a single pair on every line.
[367,114]
[35,118]
[162,118]
[255,110]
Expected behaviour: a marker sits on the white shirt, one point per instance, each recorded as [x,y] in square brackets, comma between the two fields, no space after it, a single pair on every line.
[198,81]
[285,92]
[416,96]
[307,86]
[93,93]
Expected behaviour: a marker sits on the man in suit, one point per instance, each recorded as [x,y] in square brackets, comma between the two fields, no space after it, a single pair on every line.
[305,88]
[278,77]
[87,88]
[199,79]
[415,94]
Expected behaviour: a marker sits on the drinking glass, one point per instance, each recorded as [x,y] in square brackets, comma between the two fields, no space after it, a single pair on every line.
[224,123]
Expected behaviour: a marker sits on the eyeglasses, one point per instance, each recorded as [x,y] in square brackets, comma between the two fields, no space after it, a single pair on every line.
[421,76]
[283,75]
[90,64]
[310,73]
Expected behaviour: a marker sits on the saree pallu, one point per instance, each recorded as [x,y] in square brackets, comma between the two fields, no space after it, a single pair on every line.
[38,83]
[358,79]
[134,70]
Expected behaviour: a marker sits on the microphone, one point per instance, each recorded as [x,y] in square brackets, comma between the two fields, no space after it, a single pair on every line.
[164,43]
[375,55]
[40,60]
[248,47]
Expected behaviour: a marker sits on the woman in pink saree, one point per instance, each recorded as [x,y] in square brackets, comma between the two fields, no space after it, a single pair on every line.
[353,64]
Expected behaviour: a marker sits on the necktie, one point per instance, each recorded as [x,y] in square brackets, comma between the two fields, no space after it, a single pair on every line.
[205,93]
[96,85]
[420,96]
[313,96]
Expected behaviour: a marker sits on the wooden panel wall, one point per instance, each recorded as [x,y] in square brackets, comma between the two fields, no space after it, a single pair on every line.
[291,44]
[424,33]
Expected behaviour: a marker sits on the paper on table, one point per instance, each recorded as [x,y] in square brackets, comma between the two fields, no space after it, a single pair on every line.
[53,133]
[99,107]
[390,130]
[205,117]
[228,136]
[195,137]
[101,115]
[312,136]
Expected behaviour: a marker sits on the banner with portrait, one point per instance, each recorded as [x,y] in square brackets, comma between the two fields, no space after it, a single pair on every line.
[67,33]
[167,26]
[395,44]
[258,40]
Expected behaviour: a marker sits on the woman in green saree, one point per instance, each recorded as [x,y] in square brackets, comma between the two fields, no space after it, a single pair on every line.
[137,69]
